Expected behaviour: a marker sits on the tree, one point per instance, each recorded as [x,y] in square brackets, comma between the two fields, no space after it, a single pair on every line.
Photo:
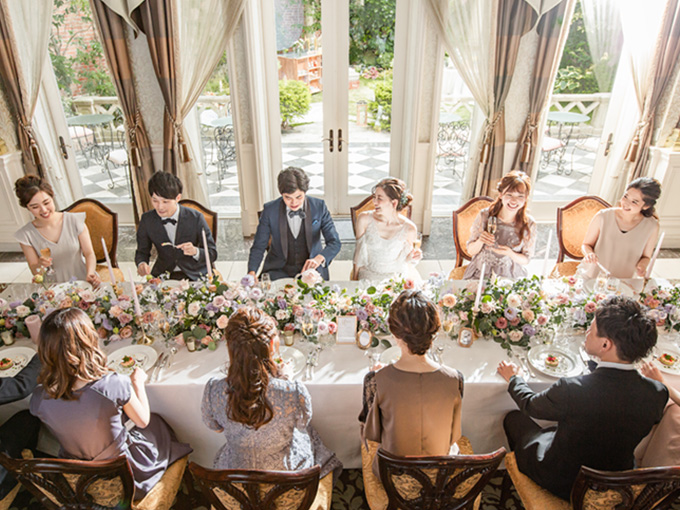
[575,74]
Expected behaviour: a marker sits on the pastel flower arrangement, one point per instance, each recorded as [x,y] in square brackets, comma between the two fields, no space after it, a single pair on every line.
[371,306]
[12,316]
[114,317]
[663,305]
[284,306]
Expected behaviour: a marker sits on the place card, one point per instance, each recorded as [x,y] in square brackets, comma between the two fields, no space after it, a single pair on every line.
[347,330]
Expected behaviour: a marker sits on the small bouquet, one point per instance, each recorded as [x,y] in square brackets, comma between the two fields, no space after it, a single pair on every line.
[664,307]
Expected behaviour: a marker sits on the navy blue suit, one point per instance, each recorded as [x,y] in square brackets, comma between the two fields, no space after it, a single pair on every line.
[274,224]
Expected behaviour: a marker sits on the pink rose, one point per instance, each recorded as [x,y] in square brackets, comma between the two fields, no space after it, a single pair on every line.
[332,328]
[572,281]
[148,317]
[126,332]
[515,336]
[115,311]
[179,339]
[514,321]
[449,300]
[125,318]
[562,299]
[222,321]
[219,301]
[487,307]
[409,284]
[590,307]
[102,333]
[317,314]
[528,315]
[311,277]
[542,320]
[463,316]
[206,340]
[501,323]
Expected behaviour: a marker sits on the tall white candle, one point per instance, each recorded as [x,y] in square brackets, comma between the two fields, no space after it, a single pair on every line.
[648,274]
[108,262]
[478,297]
[135,299]
[207,254]
[547,254]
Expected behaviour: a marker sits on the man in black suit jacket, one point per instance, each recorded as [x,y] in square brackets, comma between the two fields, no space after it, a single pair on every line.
[21,430]
[294,223]
[601,416]
[175,232]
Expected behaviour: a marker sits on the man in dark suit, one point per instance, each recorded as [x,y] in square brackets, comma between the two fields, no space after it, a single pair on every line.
[175,232]
[601,416]
[21,430]
[295,224]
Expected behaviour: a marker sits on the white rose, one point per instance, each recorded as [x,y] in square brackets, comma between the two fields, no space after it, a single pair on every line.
[311,277]
[194,308]
[514,301]
[281,315]
[515,335]
[23,311]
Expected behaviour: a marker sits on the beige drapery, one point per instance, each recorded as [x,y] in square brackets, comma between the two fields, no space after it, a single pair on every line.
[21,67]
[114,43]
[665,58]
[186,41]
[553,30]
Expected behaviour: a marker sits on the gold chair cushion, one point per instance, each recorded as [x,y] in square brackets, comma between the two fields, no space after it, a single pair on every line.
[457,273]
[324,494]
[375,493]
[606,500]
[161,496]
[99,223]
[7,501]
[533,496]
[575,222]
[562,269]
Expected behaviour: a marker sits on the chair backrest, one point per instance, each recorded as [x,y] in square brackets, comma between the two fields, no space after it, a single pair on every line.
[367,205]
[232,489]
[463,218]
[210,216]
[102,222]
[75,484]
[451,482]
[636,489]
[572,224]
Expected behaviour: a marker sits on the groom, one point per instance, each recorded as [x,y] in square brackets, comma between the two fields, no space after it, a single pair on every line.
[294,223]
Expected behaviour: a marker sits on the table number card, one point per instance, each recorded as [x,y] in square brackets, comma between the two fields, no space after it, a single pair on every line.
[347,330]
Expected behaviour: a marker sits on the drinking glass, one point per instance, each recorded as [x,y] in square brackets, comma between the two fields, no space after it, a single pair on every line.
[265,282]
[418,242]
[492,225]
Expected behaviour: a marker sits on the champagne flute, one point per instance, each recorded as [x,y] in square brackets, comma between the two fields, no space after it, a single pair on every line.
[47,253]
[265,282]
[418,241]
[492,226]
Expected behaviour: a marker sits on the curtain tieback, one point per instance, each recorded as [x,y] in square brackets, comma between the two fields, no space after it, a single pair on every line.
[486,146]
[133,154]
[634,146]
[35,152]
[528,144]
[183,148]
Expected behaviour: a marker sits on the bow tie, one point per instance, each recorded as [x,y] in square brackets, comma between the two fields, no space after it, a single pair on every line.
[299,213]
[169,220]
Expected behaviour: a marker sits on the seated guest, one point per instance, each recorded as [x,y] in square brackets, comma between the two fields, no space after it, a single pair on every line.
[254,405]
[86,406]
[175,231]
[413,407]
[295,223]
[662,446]
[601,416]
[503,235]
[56,240]
[622,238]
[21,430]
[385,238]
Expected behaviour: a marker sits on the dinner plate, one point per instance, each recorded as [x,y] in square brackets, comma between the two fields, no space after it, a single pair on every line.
[568,363]
[63,287]
[143,355]
[294,357]
[391,355]
[660,350]
[20,357]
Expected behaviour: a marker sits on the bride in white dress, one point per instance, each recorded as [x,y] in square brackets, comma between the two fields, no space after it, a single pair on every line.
[385,238]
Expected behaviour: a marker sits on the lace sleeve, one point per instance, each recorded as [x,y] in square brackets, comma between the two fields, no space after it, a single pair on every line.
[207,407]
[360,252]
[304,403]
[529,243]
[369,395]
[478,226]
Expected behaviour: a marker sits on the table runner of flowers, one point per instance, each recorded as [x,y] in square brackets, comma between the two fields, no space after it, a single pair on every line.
[512,313]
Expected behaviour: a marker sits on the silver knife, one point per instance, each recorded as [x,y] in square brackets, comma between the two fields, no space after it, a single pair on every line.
[159,366]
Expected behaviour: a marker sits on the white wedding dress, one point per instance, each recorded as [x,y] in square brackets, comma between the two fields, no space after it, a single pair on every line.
[377,258]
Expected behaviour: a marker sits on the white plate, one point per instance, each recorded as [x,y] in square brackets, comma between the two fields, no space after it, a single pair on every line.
[63,287]
[391,355]
[666,349]
[19,355]
[568,363]
[143,355]
[293,356]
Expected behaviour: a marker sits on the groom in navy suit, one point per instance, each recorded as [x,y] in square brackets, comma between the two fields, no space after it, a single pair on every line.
[295,224]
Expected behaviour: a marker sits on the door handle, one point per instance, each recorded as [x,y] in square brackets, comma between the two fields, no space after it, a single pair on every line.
[62,147]
[340,140]
[329,140]
[610,142]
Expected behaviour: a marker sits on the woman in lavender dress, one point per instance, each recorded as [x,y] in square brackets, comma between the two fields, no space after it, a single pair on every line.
[264,417]
[86,406]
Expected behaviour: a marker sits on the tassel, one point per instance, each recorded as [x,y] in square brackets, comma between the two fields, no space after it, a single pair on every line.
[135,158]
[526,152]
[632,151]
[36,155]
[183,151]
[484,156]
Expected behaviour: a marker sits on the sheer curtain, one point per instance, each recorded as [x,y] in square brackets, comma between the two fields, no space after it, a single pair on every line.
[602,22]
[24,34]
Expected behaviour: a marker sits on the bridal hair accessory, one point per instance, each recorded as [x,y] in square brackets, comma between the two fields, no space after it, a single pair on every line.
[403,199]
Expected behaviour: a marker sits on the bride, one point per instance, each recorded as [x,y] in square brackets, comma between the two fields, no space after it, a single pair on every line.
[386,240]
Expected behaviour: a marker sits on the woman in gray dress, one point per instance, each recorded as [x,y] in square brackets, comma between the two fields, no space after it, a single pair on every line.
[264,417]
[503,236]
[86,406]
[57,240]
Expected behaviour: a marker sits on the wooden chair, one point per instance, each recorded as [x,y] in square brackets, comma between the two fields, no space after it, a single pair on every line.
[232,489]
[572,224]
[635,489]
[367,205]
[210,216]
[101,485]
[101,222]
[463,218]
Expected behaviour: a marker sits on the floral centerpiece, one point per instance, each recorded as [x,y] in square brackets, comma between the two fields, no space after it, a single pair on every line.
[12,317]
[664,307]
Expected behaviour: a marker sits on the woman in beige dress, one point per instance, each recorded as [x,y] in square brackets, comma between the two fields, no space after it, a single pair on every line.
[413,407]
[621,239]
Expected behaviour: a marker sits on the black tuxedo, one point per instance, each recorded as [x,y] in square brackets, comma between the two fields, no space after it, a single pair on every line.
[190,223]
[601,417]
[21,430]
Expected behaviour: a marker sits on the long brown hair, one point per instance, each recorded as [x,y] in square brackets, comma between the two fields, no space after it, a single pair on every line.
[515,180]
[651,191]
[249,334]
[68,351]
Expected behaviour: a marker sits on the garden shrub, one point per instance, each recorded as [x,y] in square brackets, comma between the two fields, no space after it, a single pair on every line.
[294,101]
[383,97]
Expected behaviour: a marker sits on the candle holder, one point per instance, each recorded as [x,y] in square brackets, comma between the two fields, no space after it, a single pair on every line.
[467,336]
[145,339]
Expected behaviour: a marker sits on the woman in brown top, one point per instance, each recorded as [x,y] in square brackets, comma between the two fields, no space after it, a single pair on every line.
[413,407]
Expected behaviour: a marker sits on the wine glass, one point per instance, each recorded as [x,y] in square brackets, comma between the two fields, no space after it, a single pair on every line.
[418,241]
[492,226]
[49,270]
[265,282]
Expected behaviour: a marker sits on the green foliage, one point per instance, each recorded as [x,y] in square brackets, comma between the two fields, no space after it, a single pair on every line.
[218,83]
[383,97]
[294,100]
[371,30]
[575,74]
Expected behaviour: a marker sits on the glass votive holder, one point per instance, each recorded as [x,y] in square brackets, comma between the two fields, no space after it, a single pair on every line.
[288,338]
[7,337]
[191,344]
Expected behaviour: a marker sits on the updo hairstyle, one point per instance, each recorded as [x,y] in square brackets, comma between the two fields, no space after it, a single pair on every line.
[395,189]
[27,186]
[414,319]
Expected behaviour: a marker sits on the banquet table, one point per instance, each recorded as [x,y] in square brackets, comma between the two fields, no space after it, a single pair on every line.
[336,391]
